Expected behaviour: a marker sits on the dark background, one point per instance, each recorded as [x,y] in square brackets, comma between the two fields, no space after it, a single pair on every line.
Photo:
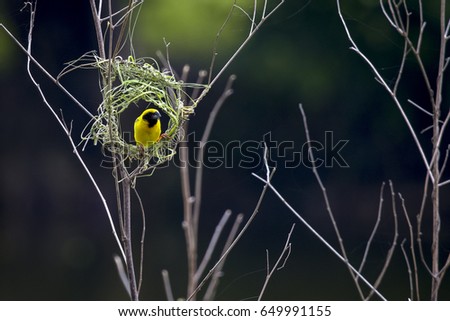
[55,239]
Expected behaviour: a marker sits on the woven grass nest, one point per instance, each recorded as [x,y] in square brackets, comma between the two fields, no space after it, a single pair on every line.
[134,81]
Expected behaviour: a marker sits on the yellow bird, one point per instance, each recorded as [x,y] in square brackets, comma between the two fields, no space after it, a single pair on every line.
[147,127]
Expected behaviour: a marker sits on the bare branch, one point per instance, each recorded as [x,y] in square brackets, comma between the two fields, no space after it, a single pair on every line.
[419,225]
[64,126]
[141,262]
[188,199]
[122,274]
[374,230]
[325,197]
[445,267]
[167,286]
[393,245]
[212,245]
[127,232]
[420,108]
[243,44]
[232,245]
[408,266]
[355,48]
[411,248]
[253,24]
[211,290]
[228,91]
[284,254]
[191,203]
[390,17]
[320,238]
[440,135]
[46,73]
[98,29]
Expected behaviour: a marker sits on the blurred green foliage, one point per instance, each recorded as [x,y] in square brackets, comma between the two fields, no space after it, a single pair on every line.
[190,27]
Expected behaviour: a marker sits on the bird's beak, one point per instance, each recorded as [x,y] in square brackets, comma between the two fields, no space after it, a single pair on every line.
[157,115]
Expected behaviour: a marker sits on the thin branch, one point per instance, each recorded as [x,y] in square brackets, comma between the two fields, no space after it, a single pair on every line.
[228,91]
[235,241]
[128,244]
[404,32]
[167,286]
[440,136]
[393,245]
[118,12]
[239,49]
[381,80]
[66,129]
[253,19]
[44,71]
[268,183]
[212,286]
[123,22]
[420,108]
[408,266]
[422,26]
[320,238]
[327,202]
[402,67]
[419,224]
[120,173]
[98,29]
[374,230]
[411,247]
[188,199]
[392,17]
[398,24]
[141,262]
[122,274]
[437,135]
[263,14]
[285,253]
[212,245]
[216,41]
[445,267]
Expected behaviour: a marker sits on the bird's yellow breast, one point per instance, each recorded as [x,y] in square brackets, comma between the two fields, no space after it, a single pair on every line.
[147,127]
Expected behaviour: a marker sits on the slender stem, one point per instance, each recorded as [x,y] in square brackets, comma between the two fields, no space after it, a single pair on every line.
[61,121]
[327,203]
[192,205]
[381,80]
[212,286]
[411,248]
[98,29]
[126,187]
[325,242]
[141,262]
[435,266]
[391,250]
[36,63]
[119,168]
[238,237]
[374,230]
[240,48]
[284,254]
[167,286]
[188,200]
[212,245]
[199,173]
[408,266]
